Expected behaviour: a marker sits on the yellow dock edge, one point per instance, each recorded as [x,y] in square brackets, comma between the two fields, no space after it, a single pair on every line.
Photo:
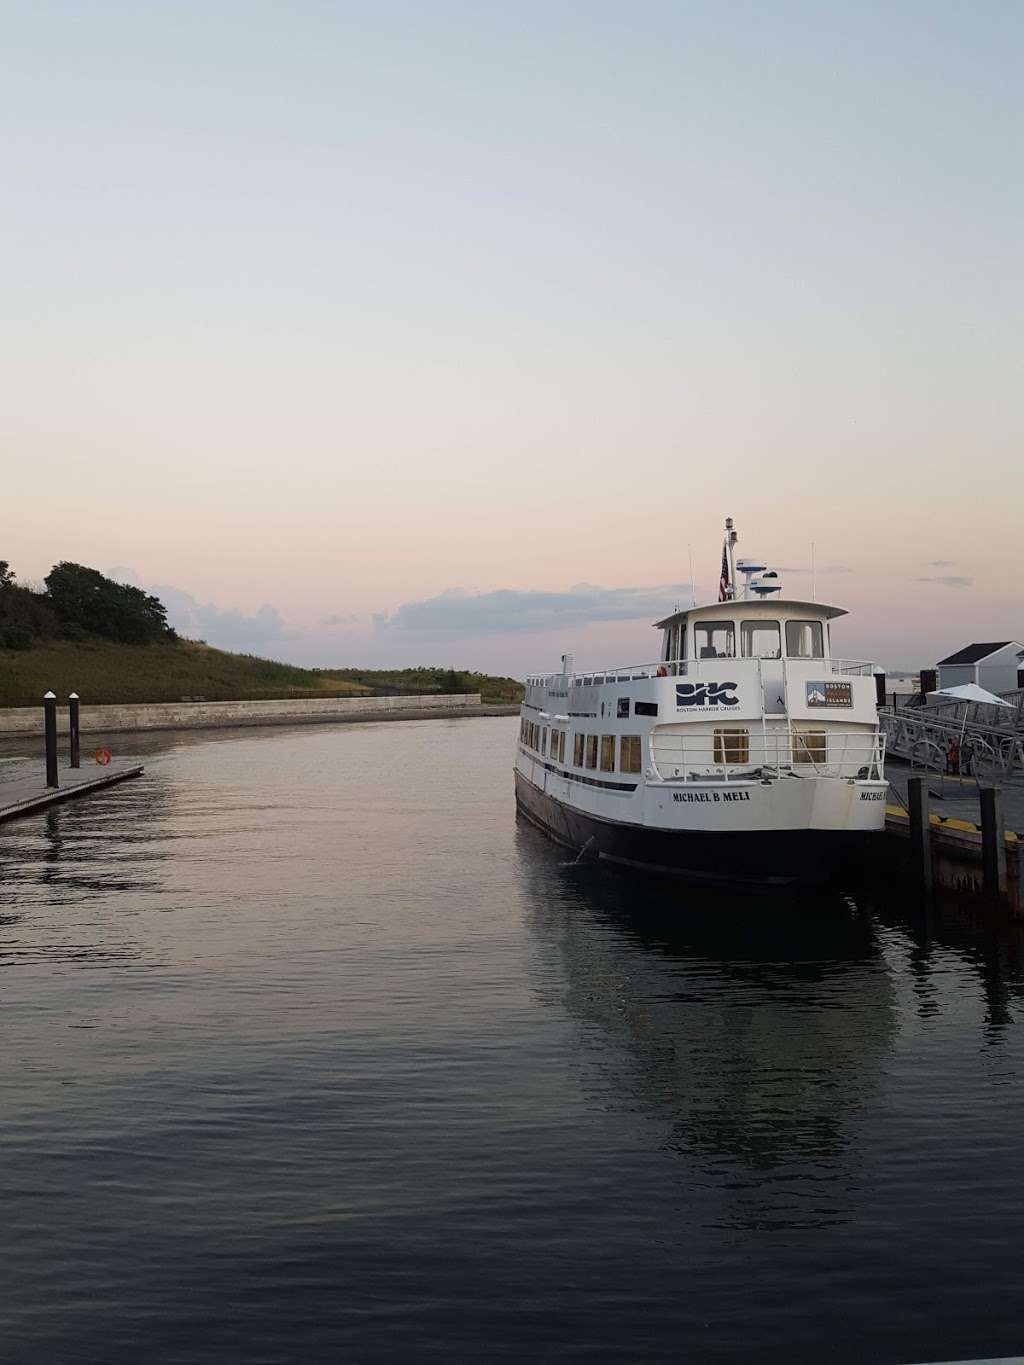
[947,822]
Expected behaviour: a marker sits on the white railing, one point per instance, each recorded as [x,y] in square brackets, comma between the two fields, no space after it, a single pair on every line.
[685,668]
[681,756]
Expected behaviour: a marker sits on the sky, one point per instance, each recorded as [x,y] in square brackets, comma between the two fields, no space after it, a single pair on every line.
[447,332]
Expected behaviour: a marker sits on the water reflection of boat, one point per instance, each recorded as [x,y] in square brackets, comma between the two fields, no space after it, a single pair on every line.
[758,1039]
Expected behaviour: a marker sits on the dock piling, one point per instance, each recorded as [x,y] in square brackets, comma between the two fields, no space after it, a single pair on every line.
[75,733]
[50,728]
[920,830]
[993,844]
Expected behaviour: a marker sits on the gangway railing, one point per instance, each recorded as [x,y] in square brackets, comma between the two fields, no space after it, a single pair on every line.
[923,738]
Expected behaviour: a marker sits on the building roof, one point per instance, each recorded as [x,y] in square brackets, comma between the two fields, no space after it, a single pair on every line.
[973,654]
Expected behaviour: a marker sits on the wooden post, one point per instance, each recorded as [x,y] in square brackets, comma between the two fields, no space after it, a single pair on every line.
[76,747]
[920,831]
[50,732]
[993,844]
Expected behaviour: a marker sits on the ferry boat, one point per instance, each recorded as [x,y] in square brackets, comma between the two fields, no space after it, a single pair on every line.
[746,755]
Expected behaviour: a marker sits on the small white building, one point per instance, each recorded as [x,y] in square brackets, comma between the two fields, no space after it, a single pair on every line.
[997,665]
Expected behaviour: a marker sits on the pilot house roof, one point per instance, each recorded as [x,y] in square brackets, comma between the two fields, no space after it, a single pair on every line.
[748,606]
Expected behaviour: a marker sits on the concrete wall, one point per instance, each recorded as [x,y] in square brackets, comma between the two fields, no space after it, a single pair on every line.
[184,715]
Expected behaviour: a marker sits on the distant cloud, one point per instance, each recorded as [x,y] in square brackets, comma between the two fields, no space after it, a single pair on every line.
[510,610]
[120,573]
[948,581]
[338,620]
[229,628]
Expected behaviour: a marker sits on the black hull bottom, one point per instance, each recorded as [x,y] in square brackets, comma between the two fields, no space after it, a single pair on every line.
[748,860]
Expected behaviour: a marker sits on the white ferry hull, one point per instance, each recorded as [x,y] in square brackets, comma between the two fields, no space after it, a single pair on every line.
[758,836]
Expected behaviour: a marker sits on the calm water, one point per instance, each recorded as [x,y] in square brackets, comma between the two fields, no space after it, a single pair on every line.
[310,1052]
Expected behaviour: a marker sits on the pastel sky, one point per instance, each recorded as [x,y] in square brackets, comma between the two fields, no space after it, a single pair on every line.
[438,332]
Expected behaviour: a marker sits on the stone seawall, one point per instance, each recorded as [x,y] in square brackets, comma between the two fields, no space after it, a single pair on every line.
[196,715]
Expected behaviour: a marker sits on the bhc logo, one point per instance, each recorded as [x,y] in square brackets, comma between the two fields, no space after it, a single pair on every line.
[706,694]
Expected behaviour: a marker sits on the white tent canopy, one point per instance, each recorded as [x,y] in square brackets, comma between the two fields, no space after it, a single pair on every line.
[971,692]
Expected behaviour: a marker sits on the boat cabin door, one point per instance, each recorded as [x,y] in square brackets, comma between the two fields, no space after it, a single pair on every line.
[762,640]
[773,687]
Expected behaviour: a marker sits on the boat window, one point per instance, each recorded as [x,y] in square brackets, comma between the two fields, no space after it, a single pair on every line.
[803,640]
[809,746]
[577,750]
[591,751]
[629,753]
[607,753]
[714,640]
[732,746]
[561,746]
[645,708]
[760,639]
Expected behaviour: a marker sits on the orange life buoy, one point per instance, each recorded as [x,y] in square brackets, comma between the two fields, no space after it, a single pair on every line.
[103,756]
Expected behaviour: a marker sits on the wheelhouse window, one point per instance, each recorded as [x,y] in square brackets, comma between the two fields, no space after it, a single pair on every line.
[577,750]
[714,640]
[760,639]
[607,753]
[629,753]
[732,746]
[804,640]
[591,751]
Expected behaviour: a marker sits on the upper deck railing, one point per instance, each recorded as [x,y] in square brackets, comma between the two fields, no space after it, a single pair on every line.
[685,668]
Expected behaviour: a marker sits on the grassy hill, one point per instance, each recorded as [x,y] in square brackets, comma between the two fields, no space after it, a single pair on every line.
[105,671]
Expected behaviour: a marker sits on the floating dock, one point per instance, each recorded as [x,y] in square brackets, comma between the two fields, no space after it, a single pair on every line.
[23,788]
[981,860]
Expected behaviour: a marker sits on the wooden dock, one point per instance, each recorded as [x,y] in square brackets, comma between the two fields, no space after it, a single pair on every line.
[958,855]
[23,786]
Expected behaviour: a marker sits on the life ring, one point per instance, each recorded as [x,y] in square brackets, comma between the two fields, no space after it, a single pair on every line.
[662,671]
[103,756]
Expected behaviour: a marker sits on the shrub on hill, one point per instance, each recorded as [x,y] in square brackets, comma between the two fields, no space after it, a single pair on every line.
[79,603]
[25,616]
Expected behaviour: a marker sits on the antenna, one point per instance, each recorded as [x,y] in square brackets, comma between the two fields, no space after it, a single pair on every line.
[693,587]
[814,581]
[730,555]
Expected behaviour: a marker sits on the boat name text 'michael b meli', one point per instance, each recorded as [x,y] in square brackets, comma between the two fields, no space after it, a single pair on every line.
[746,755]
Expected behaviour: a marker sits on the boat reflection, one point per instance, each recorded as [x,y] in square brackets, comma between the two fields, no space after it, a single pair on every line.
[756,1035]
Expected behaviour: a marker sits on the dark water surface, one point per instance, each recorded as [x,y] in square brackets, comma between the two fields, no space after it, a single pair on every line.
[310,1052]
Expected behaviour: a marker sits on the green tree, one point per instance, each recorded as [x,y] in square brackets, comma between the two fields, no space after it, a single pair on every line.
[88,603]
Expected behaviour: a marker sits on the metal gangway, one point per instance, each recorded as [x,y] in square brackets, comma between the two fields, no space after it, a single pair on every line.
[992,737]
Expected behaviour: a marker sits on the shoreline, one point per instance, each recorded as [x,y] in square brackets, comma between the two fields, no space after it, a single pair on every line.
[132,718]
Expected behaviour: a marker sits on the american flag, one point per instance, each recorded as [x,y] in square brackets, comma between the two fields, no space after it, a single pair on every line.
[723,582]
